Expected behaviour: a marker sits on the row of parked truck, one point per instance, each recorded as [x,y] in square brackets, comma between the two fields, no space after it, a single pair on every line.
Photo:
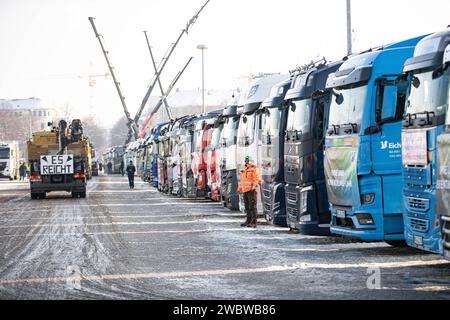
[358,147]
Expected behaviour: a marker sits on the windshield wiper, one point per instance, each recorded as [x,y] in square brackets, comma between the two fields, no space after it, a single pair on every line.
[353,128]
[422,121]
[334,130]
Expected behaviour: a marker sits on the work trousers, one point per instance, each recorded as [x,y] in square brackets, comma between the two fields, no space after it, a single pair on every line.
[250,201]
[131,181]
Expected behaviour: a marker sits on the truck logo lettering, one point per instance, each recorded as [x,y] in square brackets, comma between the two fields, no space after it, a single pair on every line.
[390,145]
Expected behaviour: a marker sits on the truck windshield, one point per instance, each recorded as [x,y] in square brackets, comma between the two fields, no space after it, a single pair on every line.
[198,135]
[348,107]
[4,153]
[215,140]
[230,131]
[271,121]
[247,130]
[299,117]
[428,94]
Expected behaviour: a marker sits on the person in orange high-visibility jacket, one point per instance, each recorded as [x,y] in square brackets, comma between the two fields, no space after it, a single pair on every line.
[250,181]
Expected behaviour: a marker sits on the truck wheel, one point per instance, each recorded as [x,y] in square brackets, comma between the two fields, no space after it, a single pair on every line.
[396,243]
[83,194]
[34,196]
[10,178]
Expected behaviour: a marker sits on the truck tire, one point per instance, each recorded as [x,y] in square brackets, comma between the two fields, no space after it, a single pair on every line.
[34,196]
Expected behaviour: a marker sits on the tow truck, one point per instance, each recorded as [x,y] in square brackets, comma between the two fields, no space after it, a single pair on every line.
[58,160]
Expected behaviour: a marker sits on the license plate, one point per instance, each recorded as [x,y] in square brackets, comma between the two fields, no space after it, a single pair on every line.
[341,214]
[418,240]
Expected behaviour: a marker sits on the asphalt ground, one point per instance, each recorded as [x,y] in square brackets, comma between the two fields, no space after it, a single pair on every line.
[141,244]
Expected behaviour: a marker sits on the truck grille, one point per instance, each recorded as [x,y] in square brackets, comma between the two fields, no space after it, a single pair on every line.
[267,207]
[417,175]
[419,225]
[292,212]
[2,166]
[266,193]
[446,232]
[417,204]
[291,197]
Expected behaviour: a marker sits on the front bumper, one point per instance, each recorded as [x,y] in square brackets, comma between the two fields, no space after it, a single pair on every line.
[307,209]
[384,226]
[422,228]
[39,187]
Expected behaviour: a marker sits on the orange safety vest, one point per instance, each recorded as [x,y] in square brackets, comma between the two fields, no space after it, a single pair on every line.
[250,179]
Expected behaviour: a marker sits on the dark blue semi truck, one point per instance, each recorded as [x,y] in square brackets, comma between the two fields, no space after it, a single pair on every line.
[308,105]
[273,124]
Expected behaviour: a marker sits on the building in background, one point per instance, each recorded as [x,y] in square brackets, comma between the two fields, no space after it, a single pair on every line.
[20,117]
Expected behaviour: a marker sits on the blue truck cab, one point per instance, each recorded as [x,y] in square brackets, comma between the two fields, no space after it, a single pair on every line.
[443,182]
[273,124]
[308,104]
[156,132]
[424,120]
[363,155]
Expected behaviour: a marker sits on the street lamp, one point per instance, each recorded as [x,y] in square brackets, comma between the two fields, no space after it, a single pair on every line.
[203,48]
[349,28]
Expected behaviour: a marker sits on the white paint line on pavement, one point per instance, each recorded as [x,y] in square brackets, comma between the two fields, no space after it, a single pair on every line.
[222,272]
[136,204]
[149,216]
[433,289]
[112,224]
[140,232]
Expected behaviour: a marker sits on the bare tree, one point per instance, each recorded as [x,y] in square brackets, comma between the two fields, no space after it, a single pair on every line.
[118,132]
[97,134]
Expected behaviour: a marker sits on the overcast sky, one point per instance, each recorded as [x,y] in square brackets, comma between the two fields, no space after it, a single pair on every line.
[46,45]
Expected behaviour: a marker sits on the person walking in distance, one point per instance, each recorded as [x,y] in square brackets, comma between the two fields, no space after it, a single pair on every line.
[122,166]
[250,181]
[131,169]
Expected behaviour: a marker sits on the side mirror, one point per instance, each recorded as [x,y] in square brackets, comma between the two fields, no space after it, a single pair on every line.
[415,82]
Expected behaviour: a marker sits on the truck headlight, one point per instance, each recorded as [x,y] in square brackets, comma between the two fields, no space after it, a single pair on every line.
[305,218]
[303,202]
[365,219]
[368,198]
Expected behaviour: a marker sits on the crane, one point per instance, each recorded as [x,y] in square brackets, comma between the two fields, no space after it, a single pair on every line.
[132,125]
[166,58]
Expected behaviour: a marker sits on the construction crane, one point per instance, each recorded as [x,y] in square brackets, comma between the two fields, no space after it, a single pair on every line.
[163,98]
[169,113]
[132,125]
[166,58]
